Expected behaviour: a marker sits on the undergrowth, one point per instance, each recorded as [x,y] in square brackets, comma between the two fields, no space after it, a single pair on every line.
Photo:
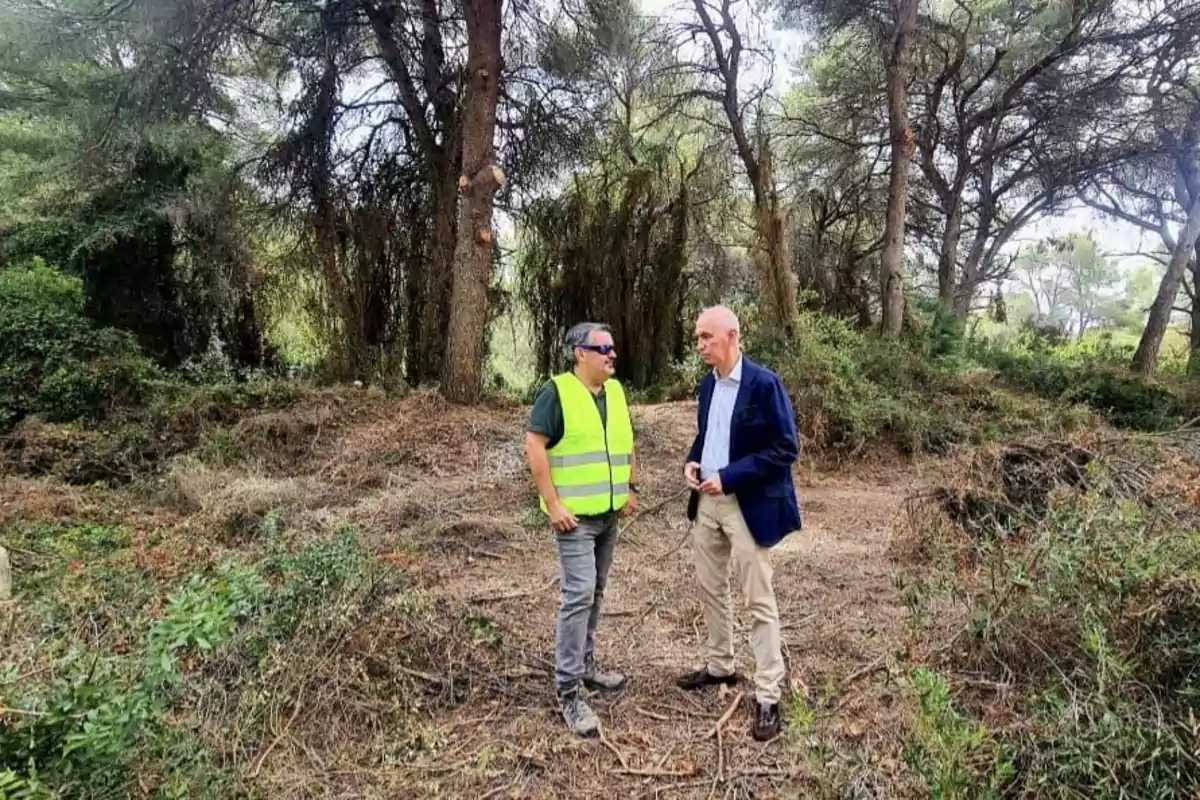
[53,361]
[851,389]
[120,679]
[1086,615]
[101,706]
[133,443]
[1094,376]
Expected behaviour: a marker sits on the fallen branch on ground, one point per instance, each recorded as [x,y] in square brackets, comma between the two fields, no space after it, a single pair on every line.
[651,510]
[868,669]
[655,773]
[725,717]
[718,732]
[659,765]
[637,623]
[425,676]
[495,598]
[678,546]
[762,772]
[499,790]
[651,714]
[620,756]
[287,726]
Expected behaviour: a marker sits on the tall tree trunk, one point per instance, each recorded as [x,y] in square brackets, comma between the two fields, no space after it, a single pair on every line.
[440,149]
[948,256]
[776,267]
[776,282]
[899,66]
[439,275]
[462,378]
[415,269]
[1145,359]
[1193,367]
[972,269]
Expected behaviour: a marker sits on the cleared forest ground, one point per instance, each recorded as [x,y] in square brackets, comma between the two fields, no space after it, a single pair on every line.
[417,660]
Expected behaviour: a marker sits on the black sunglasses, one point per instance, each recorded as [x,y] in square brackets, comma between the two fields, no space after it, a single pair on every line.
[602,349]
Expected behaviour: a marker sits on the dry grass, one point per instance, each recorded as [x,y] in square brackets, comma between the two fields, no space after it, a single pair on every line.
[437,679]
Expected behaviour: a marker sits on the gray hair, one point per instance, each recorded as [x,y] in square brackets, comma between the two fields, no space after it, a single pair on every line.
[578,335]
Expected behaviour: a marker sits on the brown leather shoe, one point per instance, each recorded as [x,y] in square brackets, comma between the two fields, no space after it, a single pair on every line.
[702,677]
[767,722]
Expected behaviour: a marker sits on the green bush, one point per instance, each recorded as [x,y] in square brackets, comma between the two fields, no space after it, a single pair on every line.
[1092,374]
[52,361]
[1092,616]
[954,757]
[113,709]
[87,732]
[849,388]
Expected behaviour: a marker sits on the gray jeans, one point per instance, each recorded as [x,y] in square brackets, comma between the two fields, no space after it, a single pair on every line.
[584,557]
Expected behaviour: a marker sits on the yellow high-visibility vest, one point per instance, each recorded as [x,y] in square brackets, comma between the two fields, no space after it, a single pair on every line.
[590,466]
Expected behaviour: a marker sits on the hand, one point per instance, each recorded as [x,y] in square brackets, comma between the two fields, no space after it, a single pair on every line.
[631,505]
[562,520]
[712,486]
[691,474]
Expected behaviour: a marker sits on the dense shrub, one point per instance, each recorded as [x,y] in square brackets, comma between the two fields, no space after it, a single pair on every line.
[1092,374]
[1114,608]
[52,361]
[849,388]
[1090,615]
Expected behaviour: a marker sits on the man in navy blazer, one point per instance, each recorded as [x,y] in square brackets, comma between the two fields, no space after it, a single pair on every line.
[743,502]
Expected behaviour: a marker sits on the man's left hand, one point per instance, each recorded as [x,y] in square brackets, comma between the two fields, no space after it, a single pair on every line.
[712,486]
[630,507]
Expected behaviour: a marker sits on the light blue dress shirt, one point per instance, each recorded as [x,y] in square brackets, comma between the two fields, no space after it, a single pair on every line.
[720,421]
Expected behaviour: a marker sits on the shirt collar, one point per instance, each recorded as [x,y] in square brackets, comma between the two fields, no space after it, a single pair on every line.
[735,374]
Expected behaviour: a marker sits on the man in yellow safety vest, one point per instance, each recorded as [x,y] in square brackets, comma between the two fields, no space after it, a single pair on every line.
[580,443]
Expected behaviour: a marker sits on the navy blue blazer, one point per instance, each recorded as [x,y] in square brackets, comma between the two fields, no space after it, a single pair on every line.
[763,446]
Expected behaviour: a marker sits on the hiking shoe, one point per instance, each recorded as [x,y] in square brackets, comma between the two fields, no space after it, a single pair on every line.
[766,722]
[578,715]
[597,678]
[702,677]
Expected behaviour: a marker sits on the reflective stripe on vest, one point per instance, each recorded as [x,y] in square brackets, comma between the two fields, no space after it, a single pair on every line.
[590,466]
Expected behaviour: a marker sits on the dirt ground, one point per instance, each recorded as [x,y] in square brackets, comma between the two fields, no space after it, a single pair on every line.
[841,617]
[454,482]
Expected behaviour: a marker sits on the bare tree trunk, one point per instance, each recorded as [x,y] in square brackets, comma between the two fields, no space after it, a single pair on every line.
[414,293]
[774,270]
[948,256]
[1193,366]
[440,150]
[972,269]
[902,146]
[439,275]
[462,377]
[1145,359]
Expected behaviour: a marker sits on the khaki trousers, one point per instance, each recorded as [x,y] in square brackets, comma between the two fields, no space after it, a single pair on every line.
[719,530]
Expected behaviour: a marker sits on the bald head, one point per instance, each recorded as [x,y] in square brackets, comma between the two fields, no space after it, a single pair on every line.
[720,318]
[717,334]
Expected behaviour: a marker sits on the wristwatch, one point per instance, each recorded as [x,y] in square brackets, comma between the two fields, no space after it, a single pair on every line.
[633,487]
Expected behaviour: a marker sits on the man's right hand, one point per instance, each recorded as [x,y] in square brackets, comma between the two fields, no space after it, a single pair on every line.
[562,520]
[691,474]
